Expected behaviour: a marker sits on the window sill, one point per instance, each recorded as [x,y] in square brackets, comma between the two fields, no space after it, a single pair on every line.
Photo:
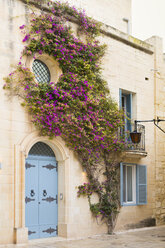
[128,204]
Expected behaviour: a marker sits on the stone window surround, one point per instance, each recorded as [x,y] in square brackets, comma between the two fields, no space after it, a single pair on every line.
[52,65]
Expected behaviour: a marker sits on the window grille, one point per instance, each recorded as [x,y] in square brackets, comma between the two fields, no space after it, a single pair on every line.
[41,149]
[41,71]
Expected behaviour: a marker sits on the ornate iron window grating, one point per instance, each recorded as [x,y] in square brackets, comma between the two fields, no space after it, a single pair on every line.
[41,149]
[41,71]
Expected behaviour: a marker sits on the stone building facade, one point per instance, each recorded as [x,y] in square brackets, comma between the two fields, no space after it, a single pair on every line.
[135,73]
[159,81]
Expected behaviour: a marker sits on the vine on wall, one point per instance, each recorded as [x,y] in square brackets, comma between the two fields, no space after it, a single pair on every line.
[78,107]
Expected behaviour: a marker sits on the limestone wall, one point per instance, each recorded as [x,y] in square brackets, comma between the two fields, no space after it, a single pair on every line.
[159,81]
[13,121]
[131,69]
[127,64]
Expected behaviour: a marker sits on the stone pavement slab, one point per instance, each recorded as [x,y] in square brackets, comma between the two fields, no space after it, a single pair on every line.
[139,238]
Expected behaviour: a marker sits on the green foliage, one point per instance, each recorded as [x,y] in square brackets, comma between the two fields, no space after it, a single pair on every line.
[78,107]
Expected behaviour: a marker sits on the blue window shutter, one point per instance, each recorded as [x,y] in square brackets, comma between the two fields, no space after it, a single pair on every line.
[121,184]
[129,105]
[141,184]
[129,110]
[120,98]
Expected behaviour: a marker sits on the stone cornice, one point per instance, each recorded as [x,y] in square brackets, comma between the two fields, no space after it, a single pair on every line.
[127,39]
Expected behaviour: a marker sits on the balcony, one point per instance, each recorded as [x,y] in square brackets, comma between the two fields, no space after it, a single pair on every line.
[136,150]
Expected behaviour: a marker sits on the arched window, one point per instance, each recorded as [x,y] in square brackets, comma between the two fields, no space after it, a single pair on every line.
[41,149]
[41,71]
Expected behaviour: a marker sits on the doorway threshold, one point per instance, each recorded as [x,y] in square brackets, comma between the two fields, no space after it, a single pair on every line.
[46,240]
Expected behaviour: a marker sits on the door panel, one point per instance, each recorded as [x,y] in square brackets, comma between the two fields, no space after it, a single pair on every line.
[48,231]
[41,212]
[33,232]
[31,193]
[47,192]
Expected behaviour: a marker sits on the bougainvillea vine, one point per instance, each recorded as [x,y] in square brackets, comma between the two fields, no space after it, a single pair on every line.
[77,107]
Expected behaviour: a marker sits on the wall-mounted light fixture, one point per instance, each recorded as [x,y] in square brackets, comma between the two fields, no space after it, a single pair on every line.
[136,136]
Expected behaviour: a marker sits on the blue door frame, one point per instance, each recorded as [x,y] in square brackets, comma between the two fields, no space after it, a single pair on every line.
[41,196]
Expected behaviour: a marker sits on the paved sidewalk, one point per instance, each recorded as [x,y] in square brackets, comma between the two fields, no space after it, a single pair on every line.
[140,238]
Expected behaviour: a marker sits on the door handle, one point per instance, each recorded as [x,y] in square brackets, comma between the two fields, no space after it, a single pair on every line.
[32,193]
[44,192]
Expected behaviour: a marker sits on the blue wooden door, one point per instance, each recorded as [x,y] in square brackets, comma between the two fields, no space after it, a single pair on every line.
[41,211]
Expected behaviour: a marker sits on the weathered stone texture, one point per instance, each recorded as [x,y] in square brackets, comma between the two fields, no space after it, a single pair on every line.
[159,81]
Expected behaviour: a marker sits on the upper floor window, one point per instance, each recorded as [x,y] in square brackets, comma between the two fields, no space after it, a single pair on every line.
[126,105]
[41,71]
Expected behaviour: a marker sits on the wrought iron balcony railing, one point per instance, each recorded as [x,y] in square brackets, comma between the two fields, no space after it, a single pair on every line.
[141,145]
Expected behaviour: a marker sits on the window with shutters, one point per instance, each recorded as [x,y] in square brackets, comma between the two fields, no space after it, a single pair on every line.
[133,184]
[126,105]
